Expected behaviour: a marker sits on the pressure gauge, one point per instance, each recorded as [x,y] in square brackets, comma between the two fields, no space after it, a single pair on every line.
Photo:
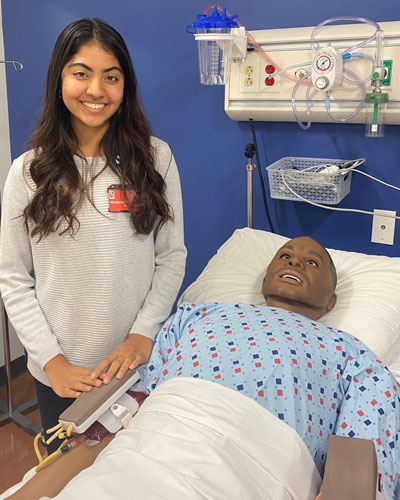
[324,62]
[326,69]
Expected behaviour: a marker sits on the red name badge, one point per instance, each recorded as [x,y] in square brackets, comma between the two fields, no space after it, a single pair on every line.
[116,202]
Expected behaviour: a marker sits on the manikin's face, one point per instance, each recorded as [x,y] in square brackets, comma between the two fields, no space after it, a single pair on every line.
[92,88]
[299,278]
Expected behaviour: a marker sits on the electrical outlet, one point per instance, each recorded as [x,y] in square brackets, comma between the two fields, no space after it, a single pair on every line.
[249,75]
[383,224]
[266,84]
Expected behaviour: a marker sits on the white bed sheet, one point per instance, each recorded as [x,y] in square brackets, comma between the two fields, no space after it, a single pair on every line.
[196,439]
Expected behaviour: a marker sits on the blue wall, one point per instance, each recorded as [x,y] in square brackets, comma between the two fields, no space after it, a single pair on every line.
[208,146]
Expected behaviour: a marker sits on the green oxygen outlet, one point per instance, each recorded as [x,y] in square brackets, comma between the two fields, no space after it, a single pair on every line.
[387,77]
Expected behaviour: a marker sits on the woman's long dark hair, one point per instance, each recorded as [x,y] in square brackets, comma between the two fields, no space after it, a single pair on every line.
[126,144]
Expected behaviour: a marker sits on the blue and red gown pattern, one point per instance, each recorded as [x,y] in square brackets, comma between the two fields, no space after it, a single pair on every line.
[316,379]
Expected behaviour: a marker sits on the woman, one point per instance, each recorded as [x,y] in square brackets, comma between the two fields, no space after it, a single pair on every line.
[92,252]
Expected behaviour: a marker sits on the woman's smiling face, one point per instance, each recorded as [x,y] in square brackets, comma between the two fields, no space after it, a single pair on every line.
[92,88]
[300,275]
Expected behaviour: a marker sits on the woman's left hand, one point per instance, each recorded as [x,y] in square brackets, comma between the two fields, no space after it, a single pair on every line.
[134,351]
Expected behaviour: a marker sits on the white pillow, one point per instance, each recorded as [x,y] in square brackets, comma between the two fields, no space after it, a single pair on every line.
[368,288]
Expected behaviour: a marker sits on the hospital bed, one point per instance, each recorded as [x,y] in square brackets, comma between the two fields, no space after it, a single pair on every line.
[196,439]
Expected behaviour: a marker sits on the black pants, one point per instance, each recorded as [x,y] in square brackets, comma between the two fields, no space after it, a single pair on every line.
[50,407]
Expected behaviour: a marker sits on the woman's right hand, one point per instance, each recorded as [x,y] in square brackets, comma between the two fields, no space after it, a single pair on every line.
[68,380]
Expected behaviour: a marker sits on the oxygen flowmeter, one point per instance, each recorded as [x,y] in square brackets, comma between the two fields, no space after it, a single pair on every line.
[327,69]
[376,101]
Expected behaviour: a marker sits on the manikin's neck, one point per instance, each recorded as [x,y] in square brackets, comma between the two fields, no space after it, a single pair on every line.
[296,307]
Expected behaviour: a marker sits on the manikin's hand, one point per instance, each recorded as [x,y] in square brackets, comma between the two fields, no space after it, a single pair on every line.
[67,380]
[134,351]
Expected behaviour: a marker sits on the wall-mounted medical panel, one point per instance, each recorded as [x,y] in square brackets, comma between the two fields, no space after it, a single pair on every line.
[251,93]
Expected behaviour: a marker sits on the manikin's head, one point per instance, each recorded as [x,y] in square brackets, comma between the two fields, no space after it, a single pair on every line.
[301,278]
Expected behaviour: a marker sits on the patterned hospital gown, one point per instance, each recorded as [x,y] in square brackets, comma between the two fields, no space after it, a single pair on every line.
[316,379]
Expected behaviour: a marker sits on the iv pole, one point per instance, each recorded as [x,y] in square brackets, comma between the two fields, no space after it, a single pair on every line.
[249,153]
[7,407]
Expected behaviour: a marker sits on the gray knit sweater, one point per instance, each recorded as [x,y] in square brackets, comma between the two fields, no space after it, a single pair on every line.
[81,296]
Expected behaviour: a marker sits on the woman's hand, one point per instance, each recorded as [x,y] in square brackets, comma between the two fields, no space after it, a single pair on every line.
[68,380]
[134,351]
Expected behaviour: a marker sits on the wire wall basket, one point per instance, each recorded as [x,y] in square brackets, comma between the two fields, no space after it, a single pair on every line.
[308,178]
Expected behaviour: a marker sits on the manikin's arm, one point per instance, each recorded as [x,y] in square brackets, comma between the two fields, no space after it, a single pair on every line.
[350,470]
[52,479]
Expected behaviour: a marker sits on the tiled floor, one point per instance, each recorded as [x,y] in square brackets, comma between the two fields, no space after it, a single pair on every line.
[17,455]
